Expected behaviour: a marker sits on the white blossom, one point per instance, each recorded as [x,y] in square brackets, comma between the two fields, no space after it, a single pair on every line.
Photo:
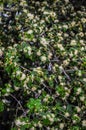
[43,58]
[84,123]
[23,76]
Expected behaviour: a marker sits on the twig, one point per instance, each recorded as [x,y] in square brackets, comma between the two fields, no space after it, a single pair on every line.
[25,68]
[46,87]
[18,102]
[66,74]
[10,10]
[54,60]
[63,115]
[56,80]
[70,70]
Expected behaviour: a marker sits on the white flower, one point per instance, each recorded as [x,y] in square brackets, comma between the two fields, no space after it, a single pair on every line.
[43,58]
[53,115]
[25,10]
[79,73]
[32,128]
[60,77]
[84,123]
[25,86]
[8,89]
[44,116]
[79,90]
[82,98]
[39,91]
[71,54]
[84,79]
[81,41]
[39,124]
[23,3]
[82,48]
[65,26]
[73,23]
[49,55]
[67,114]
[23,77]
[30,32]
[18,72]
[53,14]
[67,1]
[45,12]
[81,34]
[35,25]
[48,116]
[51,119]
[41,81]
[27,79]
[31,16]
[43,41]
[62,84]
[28,50]
[15,64]
[76,52]
[16,88]
[66,35]
[73,42]
[61,125]
[39,53]
[60,46]
[60,67]
[18,122]
[59,34]
[42,21]
[32,77]
[45,99]
[83,20]
[65,62]
[1,52]
[78,109]
[33,88]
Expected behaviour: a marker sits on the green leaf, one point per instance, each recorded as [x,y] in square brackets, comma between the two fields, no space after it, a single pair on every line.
[1,106]
[46,122]
[34,104]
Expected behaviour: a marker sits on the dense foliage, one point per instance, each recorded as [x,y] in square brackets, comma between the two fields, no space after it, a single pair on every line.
[43,65]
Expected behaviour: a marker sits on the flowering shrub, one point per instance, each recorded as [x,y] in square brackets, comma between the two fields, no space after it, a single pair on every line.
[42,65]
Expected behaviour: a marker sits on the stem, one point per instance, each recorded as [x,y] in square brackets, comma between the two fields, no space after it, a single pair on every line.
[17,102]
[66,74]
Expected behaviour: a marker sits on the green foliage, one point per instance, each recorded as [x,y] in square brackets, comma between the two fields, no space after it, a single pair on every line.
[1,106]
[34,104]
[42,65]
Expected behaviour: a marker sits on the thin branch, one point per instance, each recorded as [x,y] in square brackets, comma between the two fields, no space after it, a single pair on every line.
[9,10]
[70,70]
[24,68]
[55,60]
[66,74]
[63,116]
[45,86]
[18,102]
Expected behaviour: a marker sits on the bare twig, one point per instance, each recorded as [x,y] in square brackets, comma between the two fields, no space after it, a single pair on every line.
[66,74]
[70,70]
[9,10]
[54,60]
[18,102]
[45,86]
[63,115]
[24,68]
